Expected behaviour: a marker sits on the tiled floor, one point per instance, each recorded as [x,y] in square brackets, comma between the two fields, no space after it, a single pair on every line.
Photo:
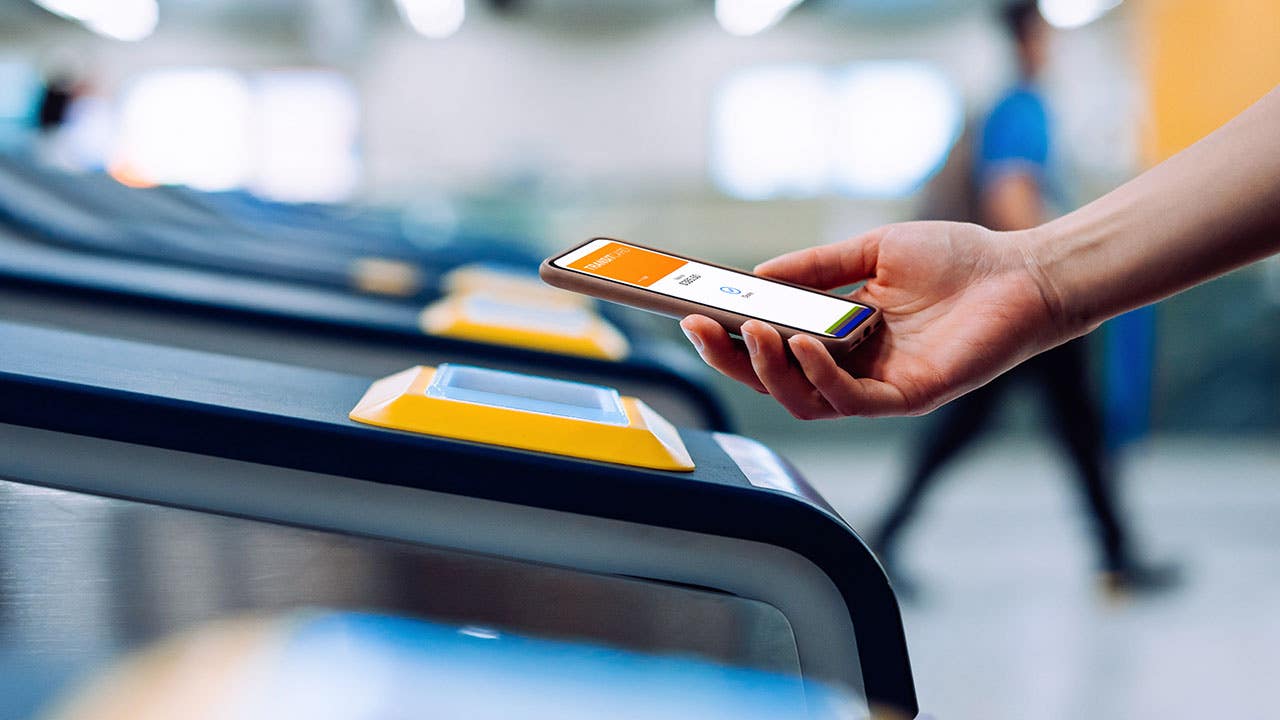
[1011,623]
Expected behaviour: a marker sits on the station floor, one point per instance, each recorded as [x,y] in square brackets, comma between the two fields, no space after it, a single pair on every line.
[1010,622]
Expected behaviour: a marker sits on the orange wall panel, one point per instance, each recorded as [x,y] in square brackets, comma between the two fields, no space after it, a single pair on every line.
[1206,60]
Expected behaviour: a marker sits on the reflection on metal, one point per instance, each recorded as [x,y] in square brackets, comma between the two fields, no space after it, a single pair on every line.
[84,578]
[761,466]
[1271,279]
[350,666]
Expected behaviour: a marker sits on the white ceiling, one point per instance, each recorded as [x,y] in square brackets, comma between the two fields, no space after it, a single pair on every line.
[16,15]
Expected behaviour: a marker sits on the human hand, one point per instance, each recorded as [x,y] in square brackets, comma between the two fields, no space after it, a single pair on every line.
[961,305]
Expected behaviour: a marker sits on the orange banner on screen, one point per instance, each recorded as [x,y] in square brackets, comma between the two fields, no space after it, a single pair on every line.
[628,264]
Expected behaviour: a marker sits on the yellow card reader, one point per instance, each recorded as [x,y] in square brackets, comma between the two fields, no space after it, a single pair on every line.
[565,329]
[526,412]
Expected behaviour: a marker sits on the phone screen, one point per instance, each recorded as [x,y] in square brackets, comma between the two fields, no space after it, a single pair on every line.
[807,310]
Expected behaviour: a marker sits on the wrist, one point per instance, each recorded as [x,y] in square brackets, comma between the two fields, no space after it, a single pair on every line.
[1049,254]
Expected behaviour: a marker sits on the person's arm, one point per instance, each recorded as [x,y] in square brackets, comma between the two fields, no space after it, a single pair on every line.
[1011,161]
[963,304]
[1012,202]
[1209,209]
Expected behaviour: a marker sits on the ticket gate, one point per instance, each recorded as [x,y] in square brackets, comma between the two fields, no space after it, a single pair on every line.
[95,214]
[341,331]
[148,489]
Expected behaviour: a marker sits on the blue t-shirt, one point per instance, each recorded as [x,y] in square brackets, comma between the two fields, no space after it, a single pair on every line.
[1015,137]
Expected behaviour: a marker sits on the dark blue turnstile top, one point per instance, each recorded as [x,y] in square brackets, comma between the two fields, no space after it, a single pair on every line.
[378,322]
[94,213]
[297,418]
[178,253]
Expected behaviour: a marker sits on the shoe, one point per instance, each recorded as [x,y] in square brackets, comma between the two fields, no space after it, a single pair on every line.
[1141,580]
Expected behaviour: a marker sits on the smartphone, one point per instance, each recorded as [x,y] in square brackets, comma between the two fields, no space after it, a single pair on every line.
[676,286]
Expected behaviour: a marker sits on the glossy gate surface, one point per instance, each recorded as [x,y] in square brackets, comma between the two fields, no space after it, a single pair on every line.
[85,578]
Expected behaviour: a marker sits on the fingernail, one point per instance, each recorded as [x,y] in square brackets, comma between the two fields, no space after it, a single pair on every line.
[750,341]
[693,339]
[797,345]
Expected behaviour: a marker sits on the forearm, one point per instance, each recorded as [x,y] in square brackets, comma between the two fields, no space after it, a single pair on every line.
[1210,209]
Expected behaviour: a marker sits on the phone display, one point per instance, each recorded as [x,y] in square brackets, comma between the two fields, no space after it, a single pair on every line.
[773,302]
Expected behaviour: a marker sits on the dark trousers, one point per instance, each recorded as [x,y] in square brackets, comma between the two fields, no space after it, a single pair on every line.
[1061,378]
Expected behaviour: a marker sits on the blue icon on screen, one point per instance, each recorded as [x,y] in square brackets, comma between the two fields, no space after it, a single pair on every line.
[730,290]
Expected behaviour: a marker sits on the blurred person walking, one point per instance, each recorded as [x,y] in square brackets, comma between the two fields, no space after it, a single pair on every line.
[1006,182]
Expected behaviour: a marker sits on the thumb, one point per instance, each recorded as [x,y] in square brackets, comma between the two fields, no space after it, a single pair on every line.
[827,266]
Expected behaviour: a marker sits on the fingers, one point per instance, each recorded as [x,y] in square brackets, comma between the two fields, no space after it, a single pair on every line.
[817,389]
[784,381]
[719,350]
[827,266]
[846,394]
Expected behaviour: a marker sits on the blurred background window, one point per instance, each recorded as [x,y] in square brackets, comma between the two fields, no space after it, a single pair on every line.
[286,135]
[186,127]
[305,125]
[870,129]
[772,133]
[895,122]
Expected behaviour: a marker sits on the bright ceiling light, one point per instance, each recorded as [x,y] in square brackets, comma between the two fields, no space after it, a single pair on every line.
[1074,13]
[74,9]
[436,19]
[128,20]
[751,17]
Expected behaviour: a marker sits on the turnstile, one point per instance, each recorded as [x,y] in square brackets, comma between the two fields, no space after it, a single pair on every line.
[313,286]
[93,213]
[313,327]
[147,489]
